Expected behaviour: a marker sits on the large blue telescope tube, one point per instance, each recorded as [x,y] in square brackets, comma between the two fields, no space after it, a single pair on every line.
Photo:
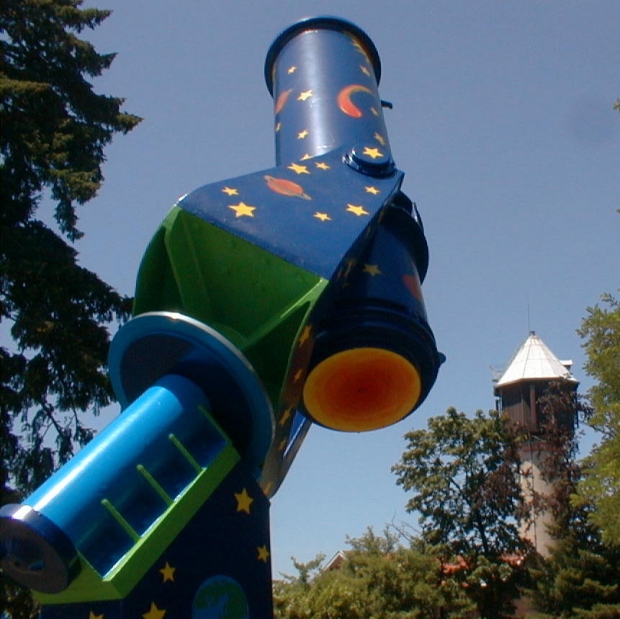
[374,358]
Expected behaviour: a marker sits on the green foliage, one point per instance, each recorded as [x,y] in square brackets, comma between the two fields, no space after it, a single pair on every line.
[377,579]
[560,410]
[600,331]
[581,577]
[463,474]
[54,131]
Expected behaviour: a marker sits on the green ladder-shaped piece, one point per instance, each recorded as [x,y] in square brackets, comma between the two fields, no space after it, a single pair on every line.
[139,530]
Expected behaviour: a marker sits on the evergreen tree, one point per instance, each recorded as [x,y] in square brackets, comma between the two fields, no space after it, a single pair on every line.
[581,576]
[54,131]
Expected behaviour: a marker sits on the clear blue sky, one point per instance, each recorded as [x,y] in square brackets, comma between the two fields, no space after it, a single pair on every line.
[503,124]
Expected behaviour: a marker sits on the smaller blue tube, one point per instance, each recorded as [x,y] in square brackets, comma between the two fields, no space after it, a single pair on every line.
[114,489]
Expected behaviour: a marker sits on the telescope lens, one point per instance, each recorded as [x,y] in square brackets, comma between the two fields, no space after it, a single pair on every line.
[361,389]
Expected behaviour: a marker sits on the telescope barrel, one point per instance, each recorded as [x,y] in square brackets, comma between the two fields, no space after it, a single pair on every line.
[323,74]
[264,303]
[108,496]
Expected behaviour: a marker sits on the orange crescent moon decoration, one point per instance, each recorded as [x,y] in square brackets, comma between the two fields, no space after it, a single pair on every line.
[282,100]
[286,188]
[413,285]
[344,99]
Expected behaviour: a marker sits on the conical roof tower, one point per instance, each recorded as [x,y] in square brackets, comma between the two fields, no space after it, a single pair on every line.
[528,375]
[526,379]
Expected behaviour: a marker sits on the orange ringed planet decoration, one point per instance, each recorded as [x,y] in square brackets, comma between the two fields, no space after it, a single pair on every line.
[344,99]
[286,188]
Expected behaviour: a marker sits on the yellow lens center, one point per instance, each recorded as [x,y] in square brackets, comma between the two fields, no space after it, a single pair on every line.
[361,389]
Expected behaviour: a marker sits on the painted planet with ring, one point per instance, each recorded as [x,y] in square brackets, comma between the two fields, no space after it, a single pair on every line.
[220,597]
[286,188]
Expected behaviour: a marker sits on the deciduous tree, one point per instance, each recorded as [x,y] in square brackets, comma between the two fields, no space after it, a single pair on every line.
[463,475]
[379,578]
[600,331]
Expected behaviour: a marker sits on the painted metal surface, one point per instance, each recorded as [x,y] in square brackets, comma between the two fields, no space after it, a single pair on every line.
[253,297]
[156,462]
[321,104]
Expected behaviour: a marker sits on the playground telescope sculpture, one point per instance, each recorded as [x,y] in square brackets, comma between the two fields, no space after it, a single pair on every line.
[264,303]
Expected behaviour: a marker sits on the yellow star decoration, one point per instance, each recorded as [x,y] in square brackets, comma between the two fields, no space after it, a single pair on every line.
[302,134]
[305,95]
[305,334]
[306,156]
[244,500]
[373,153]
[154,612]
[168,572]
[263,553]
[242,209]
[298,169]
[357,210]
[373,190]
[292,70]
[322,216]
[286,416]
[92,615]
[371,269]
[365,70]
[230,191]
[380,139]
[322,165]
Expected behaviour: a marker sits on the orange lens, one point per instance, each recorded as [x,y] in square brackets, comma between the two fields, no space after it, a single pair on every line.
[361,389]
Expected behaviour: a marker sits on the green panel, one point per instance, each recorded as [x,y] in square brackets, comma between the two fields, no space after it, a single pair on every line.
[156,287]
[254,298]
[214,276]
[270,354]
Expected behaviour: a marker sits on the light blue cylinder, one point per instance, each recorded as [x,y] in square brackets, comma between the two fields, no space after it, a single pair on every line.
[132,469]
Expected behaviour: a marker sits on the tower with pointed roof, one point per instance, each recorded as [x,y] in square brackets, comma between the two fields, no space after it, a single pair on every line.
[518,391]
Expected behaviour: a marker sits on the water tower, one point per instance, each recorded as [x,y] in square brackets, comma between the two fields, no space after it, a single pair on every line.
[518,391]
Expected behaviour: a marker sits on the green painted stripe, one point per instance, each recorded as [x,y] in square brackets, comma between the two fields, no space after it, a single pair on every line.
[205,412]
[123,523]
[153,483]
[188,456]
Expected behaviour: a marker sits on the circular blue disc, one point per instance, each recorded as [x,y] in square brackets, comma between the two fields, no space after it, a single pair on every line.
[154,344]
